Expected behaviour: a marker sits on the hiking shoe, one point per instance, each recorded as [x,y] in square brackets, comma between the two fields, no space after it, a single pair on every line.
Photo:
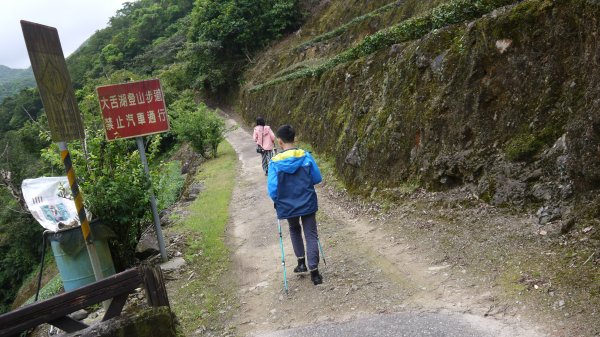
[315,277]
[301,268]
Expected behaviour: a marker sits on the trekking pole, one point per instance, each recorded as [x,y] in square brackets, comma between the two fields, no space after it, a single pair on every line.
[321,249]
[285,285]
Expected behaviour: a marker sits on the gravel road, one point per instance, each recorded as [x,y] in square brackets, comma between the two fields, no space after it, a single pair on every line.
[374,283]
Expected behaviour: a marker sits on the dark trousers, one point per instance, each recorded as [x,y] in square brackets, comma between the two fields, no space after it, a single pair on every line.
[309,224]
[266,158]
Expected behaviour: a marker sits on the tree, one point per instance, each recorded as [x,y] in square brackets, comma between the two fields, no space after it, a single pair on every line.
[224,34]
[16,110]
[20,235]
[111,56]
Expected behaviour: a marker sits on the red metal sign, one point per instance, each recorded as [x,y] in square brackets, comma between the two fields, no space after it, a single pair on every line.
[133,109]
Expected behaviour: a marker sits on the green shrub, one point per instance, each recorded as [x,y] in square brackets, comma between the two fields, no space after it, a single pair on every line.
[110,175]
[168,184]
[115,189]
[198,125]
[51,289]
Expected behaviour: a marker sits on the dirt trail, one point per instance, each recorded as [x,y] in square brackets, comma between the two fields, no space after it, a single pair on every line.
[369,272]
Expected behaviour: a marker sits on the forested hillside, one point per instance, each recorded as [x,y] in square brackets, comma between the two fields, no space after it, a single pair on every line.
[197,48]
[13,80]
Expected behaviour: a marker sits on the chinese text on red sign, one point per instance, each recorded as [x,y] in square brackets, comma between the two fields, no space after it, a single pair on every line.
[133,109]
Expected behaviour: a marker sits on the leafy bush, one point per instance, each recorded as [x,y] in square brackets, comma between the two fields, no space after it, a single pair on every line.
[110,174]
[20,246]
[20,235]
[16,110]
[173,80]
[52,288]
[198,125]
[114,187]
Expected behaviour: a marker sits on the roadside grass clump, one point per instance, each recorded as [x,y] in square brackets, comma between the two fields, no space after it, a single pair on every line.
[51,289]
[407,187]
[454,12]
[201,298]
[343,28]
[327,167]
[50,285]
[299,66]
[523,147]
[168,184]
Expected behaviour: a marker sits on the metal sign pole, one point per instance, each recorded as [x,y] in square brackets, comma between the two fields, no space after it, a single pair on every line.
[159,234]
[78,198]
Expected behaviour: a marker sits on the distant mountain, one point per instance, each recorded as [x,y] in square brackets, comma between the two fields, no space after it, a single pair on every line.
[14,80]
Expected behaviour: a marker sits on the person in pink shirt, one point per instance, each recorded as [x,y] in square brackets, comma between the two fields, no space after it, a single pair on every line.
[265,141]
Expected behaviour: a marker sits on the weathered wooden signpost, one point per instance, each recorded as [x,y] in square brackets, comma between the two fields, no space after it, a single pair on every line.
[134,110]
[64,119]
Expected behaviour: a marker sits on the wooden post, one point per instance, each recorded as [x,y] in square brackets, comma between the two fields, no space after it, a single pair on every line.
[156,292]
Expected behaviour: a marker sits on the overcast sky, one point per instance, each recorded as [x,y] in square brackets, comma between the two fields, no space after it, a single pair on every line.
[76,20]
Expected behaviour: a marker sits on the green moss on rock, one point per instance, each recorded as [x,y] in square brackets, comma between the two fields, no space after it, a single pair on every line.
[459,104]
[455,11]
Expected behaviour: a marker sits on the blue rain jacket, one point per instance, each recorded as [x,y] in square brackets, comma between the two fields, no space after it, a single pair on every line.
[292,176]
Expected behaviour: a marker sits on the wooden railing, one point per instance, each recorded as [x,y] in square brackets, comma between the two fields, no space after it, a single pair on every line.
[54,311]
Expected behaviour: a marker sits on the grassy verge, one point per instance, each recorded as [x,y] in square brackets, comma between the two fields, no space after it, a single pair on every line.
[205,302]
[169,184]
[454,12]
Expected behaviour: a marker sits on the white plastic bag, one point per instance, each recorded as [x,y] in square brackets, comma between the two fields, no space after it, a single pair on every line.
[50,201]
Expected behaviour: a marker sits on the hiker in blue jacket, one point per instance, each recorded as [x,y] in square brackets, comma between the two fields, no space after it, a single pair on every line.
[291,179]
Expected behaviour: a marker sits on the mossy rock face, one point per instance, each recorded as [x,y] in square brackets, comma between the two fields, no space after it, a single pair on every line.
[334,30]
[487,99]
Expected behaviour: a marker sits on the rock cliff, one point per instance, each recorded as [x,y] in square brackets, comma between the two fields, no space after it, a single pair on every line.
[497,96]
